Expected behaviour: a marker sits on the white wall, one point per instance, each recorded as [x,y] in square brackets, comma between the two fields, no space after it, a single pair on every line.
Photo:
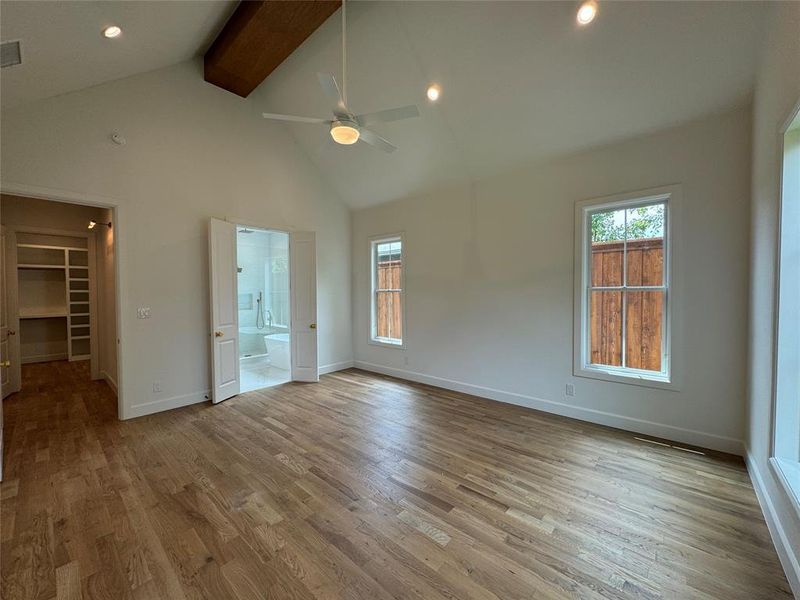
[489,283]
[193,151]
[777,92]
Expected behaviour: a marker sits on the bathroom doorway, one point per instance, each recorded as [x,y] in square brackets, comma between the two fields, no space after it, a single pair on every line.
[264,307]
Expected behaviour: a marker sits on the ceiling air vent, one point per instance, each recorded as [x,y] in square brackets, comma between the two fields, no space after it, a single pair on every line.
[10,54]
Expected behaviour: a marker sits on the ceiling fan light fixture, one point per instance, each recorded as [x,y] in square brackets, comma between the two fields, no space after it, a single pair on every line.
[345,132]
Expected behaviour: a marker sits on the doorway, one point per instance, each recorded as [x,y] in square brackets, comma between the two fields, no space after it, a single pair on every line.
[264,307]
[274,324]
[58,288]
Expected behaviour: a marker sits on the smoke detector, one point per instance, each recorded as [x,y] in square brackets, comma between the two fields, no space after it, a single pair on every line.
[10,54]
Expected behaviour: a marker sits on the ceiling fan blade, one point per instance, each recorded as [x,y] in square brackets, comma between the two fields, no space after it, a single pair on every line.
[391,114]
[334,94]
[373,139]
[278,117]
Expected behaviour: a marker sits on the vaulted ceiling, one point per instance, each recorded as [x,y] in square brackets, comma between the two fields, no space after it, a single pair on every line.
[521,81]
[63,49]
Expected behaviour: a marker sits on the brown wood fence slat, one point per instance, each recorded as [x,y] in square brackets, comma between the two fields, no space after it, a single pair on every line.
[388,304]
[645,265]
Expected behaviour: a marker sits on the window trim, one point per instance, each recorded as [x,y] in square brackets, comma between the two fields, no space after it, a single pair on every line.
[373,245]
[672,287]
[782,468]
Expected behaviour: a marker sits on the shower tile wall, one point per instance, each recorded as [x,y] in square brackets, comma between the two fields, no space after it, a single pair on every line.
[252,253]
[258,252]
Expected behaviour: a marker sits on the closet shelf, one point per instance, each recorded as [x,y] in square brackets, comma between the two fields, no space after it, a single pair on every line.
[43,315]
[33,266]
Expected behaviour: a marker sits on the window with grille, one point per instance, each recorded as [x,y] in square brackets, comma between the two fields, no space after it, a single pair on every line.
[624,295]
[387,291]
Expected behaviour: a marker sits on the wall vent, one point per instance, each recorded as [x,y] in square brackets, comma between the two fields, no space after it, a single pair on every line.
[10,54]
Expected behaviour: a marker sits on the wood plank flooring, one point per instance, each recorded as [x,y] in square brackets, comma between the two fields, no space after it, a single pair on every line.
[361,487]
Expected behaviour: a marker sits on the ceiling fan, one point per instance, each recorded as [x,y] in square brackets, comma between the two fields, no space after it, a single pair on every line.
[346,127]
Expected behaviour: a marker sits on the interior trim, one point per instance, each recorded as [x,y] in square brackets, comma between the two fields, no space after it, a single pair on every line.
[670,432]
[786,553]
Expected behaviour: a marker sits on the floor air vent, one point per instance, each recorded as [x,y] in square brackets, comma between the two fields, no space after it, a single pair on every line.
[10,54]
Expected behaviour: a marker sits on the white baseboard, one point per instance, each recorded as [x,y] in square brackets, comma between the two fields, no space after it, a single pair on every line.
[669,432]
[38,358]
[786,551]
[110,381]
[148,408]
[339,366]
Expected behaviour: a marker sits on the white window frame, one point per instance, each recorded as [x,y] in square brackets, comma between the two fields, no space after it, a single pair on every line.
[668,377]
[373,323]
[784,462]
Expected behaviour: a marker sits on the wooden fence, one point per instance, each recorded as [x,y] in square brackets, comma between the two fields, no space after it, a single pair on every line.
[388,306]
[644,308]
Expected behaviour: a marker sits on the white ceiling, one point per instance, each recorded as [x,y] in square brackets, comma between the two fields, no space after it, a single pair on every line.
[521,82]
[63,49]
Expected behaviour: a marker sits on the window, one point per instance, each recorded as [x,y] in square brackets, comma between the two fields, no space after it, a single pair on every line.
[786,443]
[387,291]
[623,293]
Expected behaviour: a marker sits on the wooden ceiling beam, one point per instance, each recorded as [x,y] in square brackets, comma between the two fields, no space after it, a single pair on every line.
[258,37]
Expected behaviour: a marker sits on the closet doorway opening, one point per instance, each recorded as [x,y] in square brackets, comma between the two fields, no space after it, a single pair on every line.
[58,287]
[264,306]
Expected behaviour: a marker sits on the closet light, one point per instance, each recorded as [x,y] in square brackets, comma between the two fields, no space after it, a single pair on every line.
[433,92]
[93,224]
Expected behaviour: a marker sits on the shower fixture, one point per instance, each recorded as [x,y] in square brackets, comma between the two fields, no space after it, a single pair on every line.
[260,312]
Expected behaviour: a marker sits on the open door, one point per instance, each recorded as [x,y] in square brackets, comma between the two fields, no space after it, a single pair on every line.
[224,310]
[303,286]
[4,370]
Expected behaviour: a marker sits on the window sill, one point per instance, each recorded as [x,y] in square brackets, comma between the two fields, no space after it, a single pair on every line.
[788,474]
[660,382]
[386,343]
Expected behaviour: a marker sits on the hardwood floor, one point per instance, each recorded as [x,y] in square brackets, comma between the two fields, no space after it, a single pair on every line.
[361,487]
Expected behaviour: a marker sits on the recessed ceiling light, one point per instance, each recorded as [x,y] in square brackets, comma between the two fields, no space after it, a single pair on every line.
[112,31]
[587,12]
[433,93]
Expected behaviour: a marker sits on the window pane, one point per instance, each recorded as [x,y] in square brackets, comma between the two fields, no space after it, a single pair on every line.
[388,313]
[608,234]
[605,324]
[643,330]
[645,245]
[388,283]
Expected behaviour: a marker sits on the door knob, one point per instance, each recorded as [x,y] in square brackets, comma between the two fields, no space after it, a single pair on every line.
[313,326]
[218,334]
[6,364]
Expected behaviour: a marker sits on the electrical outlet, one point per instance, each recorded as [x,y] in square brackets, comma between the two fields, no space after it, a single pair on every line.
[156,387]
[405,360]
[143,312]
[570,389]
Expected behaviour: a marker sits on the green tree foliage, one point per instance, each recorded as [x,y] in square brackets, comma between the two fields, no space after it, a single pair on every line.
[642,222]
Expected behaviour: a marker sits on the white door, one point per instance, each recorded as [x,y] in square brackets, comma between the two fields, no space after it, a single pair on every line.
[303,286]
[224,310]
[3,338]
[5,371]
